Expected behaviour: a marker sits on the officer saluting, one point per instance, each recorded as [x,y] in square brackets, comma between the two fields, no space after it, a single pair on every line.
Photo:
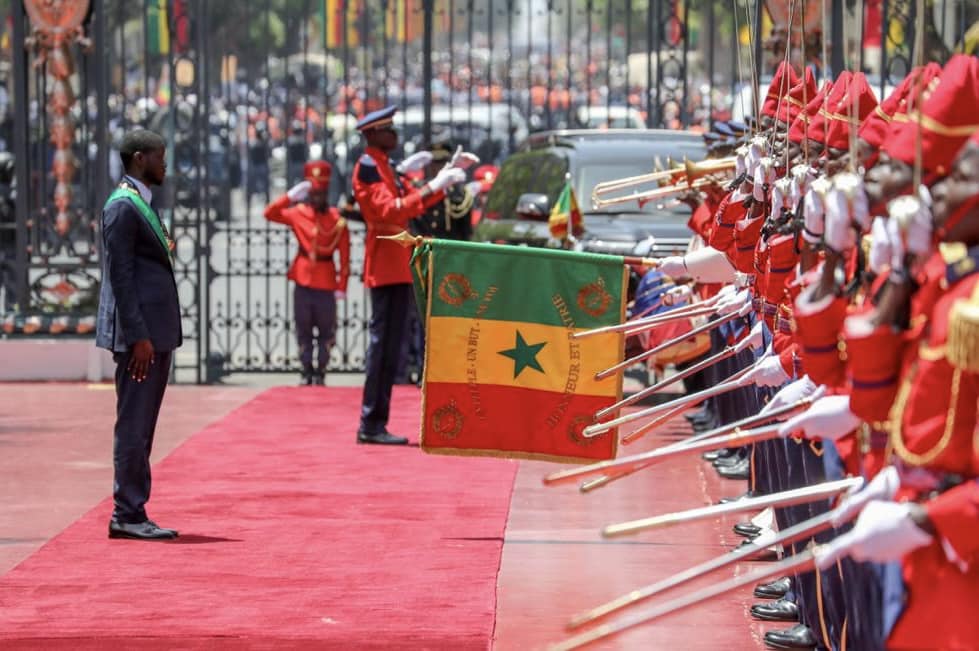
[388,205]
[321,233]
[450,218]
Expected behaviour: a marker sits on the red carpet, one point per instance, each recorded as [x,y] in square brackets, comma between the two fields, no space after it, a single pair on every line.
[292,536]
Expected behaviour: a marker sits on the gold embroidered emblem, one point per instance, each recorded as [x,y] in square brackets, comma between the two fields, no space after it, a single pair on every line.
[455,289]
[575,428]
[593,299]
[447,421]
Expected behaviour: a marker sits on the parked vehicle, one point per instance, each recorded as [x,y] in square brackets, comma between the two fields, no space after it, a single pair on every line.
[483,129]
[588,157]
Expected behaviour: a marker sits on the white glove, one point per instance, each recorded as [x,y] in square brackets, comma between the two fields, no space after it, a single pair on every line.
[882,487]
[731,304]
[914,214]
[767,372]
[814,210]
[673,267]
[447,177]
[299,192]
[880,246]
[677,295]
[463,159]
[764,175]
[340,296]
[474,188]
[896,241]
[885,532]
[839,235]
[828,418]
[792,393]
[415,162]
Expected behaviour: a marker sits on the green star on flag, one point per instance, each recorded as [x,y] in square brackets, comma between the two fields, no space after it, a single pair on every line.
[524,355]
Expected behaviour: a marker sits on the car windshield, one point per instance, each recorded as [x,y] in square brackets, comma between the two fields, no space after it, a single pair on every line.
[588,176]
[533,171]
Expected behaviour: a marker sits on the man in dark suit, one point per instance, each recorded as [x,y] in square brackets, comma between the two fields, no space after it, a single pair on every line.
[139,321]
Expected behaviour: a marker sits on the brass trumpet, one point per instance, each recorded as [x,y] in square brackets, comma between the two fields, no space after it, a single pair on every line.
[693,173]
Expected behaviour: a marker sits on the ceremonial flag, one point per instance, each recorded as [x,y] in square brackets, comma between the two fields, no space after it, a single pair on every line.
[503,376]
[157,27]
[566,211]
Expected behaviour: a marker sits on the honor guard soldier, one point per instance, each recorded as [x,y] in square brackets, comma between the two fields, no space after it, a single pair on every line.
[388,205]
[322,233]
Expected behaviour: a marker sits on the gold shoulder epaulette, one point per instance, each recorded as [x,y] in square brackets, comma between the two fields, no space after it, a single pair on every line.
[962,346]
[341,224]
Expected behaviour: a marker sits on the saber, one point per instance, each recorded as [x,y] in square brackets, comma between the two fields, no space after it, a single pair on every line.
[746,423]
[735,381]
[798,563]
[651,321]
[711,325]
[735,439]
[640,328]
[753,340]
[792,534]
[786,498]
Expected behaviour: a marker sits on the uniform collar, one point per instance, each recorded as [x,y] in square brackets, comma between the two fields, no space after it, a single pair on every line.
[376,153]
[141,187]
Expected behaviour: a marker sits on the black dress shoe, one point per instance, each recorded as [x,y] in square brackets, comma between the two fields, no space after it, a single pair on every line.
[384,438]
[139,531]
[319,379]
[173,531]
[711,455]
[774,590]
[782,610]
[747,529]
[743,496]
[740,470]
[306,380]
[799,636]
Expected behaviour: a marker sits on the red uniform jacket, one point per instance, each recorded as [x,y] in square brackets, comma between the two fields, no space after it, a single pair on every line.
[387,206]
[320,237]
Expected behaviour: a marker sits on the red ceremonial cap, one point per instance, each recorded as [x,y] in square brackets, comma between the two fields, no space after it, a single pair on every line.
[948,117]
[796,99]
[850,110]
[784,79]
[803,123]
[318,173]
[875,128]
[817,127]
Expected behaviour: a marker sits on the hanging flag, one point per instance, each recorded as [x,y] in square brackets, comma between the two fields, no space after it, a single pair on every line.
[566,211]
[503,376]
[157,27]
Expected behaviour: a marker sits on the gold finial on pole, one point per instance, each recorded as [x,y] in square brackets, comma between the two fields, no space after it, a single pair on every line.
[404,238]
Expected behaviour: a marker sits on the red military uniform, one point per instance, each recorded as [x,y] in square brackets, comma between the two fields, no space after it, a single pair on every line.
[387,206]
[320,235]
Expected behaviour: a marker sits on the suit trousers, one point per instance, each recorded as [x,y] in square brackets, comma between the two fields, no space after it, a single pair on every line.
[390,305]
[137,408]
[314,308]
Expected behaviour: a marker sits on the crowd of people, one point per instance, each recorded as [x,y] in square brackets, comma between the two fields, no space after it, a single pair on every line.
[844,256]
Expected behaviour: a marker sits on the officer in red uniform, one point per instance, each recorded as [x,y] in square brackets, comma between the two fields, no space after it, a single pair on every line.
[388,205]
[321,233]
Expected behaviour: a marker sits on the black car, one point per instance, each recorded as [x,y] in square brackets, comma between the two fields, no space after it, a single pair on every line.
[588,157]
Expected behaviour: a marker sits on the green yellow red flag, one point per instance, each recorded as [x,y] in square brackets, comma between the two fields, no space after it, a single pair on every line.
[564,212]
[503,376]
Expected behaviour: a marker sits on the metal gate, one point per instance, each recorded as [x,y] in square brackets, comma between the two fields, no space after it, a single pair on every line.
[244,92]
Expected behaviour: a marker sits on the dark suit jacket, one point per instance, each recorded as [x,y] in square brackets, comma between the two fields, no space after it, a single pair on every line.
[138,298]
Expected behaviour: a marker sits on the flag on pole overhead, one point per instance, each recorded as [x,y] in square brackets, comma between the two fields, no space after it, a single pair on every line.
[157,27]
[503,376]
[564,212]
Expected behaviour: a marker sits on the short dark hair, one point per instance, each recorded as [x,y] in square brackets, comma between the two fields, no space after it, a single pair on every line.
[139,140]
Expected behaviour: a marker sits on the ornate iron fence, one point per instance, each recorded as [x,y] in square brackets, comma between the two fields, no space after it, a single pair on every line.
[244,92]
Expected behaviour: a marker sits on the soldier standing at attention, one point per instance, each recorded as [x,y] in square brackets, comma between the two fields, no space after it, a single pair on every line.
[321,233]
[388,205]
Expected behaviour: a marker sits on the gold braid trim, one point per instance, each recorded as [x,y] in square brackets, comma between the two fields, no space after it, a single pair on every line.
[963,333]
[897,441]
